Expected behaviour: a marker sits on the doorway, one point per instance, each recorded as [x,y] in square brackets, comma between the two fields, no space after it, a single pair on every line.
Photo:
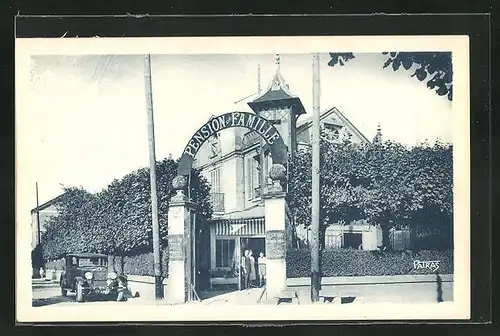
[256,245]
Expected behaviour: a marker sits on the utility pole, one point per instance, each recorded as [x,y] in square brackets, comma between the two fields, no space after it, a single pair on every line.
[38,235]
[262,157]
[258,80]
[152,172]
[315,215]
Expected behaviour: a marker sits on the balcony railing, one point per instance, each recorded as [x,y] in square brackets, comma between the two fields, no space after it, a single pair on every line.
[217,201]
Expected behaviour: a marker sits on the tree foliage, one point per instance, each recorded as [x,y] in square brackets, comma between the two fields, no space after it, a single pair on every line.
[385,183]
[433,68]
[118,220]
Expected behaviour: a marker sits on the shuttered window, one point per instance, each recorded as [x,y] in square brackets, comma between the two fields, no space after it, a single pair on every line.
[215,180]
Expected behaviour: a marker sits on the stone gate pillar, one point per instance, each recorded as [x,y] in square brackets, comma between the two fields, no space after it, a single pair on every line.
[274,203]
[179,244]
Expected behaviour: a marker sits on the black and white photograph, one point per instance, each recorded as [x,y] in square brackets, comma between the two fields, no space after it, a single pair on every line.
[249,178]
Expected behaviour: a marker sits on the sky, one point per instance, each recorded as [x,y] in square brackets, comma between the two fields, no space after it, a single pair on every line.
[88,115]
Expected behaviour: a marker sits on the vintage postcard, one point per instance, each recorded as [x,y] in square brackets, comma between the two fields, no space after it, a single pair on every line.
[295,178]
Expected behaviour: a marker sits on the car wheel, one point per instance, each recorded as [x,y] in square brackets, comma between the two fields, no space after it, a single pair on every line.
[120,296]
[79,293]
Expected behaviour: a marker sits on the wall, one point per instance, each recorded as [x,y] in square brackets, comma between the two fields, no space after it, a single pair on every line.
[371,235]
[45,216]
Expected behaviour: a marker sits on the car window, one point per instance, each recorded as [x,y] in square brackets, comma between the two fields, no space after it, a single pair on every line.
[91,262]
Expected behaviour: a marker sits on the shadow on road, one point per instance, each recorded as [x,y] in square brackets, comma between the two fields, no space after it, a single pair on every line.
[50,301]
[213,293]
[61,299]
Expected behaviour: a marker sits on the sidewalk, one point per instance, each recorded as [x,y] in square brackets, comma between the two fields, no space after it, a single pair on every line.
[418,292]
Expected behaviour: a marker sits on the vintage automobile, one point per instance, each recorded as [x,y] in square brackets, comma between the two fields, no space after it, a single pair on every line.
[87,275]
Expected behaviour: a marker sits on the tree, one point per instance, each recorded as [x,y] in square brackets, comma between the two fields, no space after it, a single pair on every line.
[117,220]
[383,182]
[66,232]
[435,68]
[37,257]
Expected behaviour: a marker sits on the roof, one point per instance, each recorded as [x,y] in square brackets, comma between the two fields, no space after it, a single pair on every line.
[305,123]
[277,91]
[87,255]
[254,212]
[48,203]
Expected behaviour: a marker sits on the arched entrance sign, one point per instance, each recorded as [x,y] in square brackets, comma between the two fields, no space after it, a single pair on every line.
[234,119]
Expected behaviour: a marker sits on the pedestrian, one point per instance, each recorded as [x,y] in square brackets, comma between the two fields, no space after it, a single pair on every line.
[262,268]
[245,262]
[253,274]
[42,272]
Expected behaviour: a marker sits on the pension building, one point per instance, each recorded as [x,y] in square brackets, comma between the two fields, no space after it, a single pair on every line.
[236,162]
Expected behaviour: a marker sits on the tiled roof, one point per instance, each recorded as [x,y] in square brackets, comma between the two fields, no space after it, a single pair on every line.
[48,203]
[305,123]
[273,95]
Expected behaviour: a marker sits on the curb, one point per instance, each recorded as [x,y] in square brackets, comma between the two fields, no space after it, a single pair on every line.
[371,280]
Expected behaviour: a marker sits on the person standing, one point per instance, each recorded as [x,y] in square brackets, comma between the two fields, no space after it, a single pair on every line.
[42,272]
[253,274]
[245,263]
[262,268]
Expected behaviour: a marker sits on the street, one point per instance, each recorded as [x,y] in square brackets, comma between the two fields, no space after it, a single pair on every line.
[47,293]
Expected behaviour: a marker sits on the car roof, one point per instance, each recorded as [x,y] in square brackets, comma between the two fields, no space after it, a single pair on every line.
[87,255]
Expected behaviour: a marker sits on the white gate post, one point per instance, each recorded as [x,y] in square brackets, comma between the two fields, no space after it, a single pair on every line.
[274,202]
[179,238]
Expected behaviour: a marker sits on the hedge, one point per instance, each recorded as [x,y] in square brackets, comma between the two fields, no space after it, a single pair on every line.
[137,265]
[142,264]
[347,262]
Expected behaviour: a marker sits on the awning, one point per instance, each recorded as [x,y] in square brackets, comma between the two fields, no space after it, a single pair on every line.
[242,227]
[254,212]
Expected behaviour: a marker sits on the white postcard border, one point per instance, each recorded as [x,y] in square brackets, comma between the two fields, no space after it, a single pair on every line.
[458,309]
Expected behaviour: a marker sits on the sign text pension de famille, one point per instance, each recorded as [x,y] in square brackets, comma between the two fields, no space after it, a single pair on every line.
[234,119]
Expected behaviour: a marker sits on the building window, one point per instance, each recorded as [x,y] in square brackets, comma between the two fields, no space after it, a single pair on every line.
[332,132]
[352,240]
[268,162]
[215,181]
[224,252]
[253,176]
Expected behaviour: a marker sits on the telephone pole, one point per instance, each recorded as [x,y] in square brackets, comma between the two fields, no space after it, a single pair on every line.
[152,172]
[315,214]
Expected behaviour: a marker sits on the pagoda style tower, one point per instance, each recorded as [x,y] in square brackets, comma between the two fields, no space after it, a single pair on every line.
[278,105]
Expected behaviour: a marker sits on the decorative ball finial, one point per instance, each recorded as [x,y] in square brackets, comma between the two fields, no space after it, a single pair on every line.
[277,172]
[179,182]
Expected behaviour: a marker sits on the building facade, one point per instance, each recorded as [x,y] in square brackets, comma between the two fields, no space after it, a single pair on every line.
[236,163]
[40,218]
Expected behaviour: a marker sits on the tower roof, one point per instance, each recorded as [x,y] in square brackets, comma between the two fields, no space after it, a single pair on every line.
[277,92]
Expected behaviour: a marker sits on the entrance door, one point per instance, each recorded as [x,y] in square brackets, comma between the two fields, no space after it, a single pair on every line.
[256,245]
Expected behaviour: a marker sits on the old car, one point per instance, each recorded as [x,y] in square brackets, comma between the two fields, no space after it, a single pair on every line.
[87,275]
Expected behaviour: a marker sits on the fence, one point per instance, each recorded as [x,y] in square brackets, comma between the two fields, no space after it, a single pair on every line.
[400,239]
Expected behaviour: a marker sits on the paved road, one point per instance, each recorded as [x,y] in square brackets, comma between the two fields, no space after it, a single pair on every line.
[49,294]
